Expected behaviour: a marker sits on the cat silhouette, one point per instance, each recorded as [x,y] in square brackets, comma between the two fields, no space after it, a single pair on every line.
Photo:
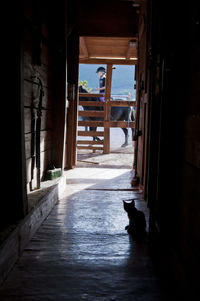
[137,221]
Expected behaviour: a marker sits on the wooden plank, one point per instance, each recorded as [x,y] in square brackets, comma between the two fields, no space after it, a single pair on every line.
[120,124]
[45,142]
[113,103]
[91,133]
[107,108]
[72,114]
[100,61]
[91,103]
[43,71]
[31,95]
[46,120]
[107,41]
[109,47]
[90,142]
[128,52]
[45,159]
[91,113]
[131,49]
[83,47]
[90,147]
[59,101]
[91,123]
[122,103]
[91,94]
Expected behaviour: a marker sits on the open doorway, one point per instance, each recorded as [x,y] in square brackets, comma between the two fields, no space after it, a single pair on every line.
[106,108]
[120,116]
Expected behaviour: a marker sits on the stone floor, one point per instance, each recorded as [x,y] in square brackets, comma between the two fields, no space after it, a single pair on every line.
[120,157]
[81,251]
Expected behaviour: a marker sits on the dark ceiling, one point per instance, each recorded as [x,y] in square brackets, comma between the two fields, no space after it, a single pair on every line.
[117,18]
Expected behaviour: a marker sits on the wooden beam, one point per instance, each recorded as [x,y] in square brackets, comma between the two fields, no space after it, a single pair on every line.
[91,123]
[59,110]
[83,47]
[91,133]
[131,46]
[128,52]
[91,113]
[113,103]
[101,61]
[122,103]
[91,104]
[90,147]
[107,108]
[90,142]
[119,124]
[91,94]
[72,84]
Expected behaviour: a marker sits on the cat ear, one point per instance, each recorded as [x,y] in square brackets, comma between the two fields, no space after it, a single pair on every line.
[133,202]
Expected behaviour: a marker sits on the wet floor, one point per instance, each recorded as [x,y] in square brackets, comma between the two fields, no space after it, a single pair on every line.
[81,251]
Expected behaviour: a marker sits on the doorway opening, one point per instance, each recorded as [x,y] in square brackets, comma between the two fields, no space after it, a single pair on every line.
[106,109]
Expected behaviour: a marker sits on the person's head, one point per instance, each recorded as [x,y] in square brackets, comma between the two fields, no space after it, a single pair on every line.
[100,71]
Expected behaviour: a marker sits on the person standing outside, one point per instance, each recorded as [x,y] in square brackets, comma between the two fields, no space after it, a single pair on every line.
[101,72]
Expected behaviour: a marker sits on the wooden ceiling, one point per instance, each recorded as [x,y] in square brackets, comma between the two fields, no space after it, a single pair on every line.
[104,48]
[111,18]
[108,30]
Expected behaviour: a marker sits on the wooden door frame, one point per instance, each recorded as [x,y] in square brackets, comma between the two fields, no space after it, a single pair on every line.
[106,123]
[72,91]
[72,99]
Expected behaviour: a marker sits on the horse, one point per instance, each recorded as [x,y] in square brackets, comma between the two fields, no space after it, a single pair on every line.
[123,114]
[116,114]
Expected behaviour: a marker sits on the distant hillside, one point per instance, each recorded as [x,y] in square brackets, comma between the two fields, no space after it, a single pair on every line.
[122,81]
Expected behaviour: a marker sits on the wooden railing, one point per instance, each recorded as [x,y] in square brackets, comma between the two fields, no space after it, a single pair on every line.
[105,124]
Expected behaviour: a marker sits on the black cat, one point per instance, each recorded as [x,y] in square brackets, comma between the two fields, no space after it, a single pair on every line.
[137,222]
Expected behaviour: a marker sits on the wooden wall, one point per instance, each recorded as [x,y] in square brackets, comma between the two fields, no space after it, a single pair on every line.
[42,69]
[44,57]
[174,170]
[142,97]
[188,240]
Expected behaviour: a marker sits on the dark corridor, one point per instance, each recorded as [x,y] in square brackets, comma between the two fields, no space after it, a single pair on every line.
[82,251]
[41,41]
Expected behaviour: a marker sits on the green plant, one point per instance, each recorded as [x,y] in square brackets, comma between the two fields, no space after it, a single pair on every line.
[84,83]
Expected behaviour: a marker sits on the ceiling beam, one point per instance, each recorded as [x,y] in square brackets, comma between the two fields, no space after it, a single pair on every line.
[128,52]
[83,47]
[131,45]
[108,61]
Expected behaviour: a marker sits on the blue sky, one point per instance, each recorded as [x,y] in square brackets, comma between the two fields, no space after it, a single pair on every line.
[122,80]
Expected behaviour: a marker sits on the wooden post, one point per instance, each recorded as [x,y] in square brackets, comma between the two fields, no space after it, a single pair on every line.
[72,80]
[76,73]
[107,109]
[59,90]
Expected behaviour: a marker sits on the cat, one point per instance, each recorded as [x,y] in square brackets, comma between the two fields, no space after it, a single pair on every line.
[137,221]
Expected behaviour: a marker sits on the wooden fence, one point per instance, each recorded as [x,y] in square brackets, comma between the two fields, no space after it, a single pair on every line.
[106,123]
[104,142]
